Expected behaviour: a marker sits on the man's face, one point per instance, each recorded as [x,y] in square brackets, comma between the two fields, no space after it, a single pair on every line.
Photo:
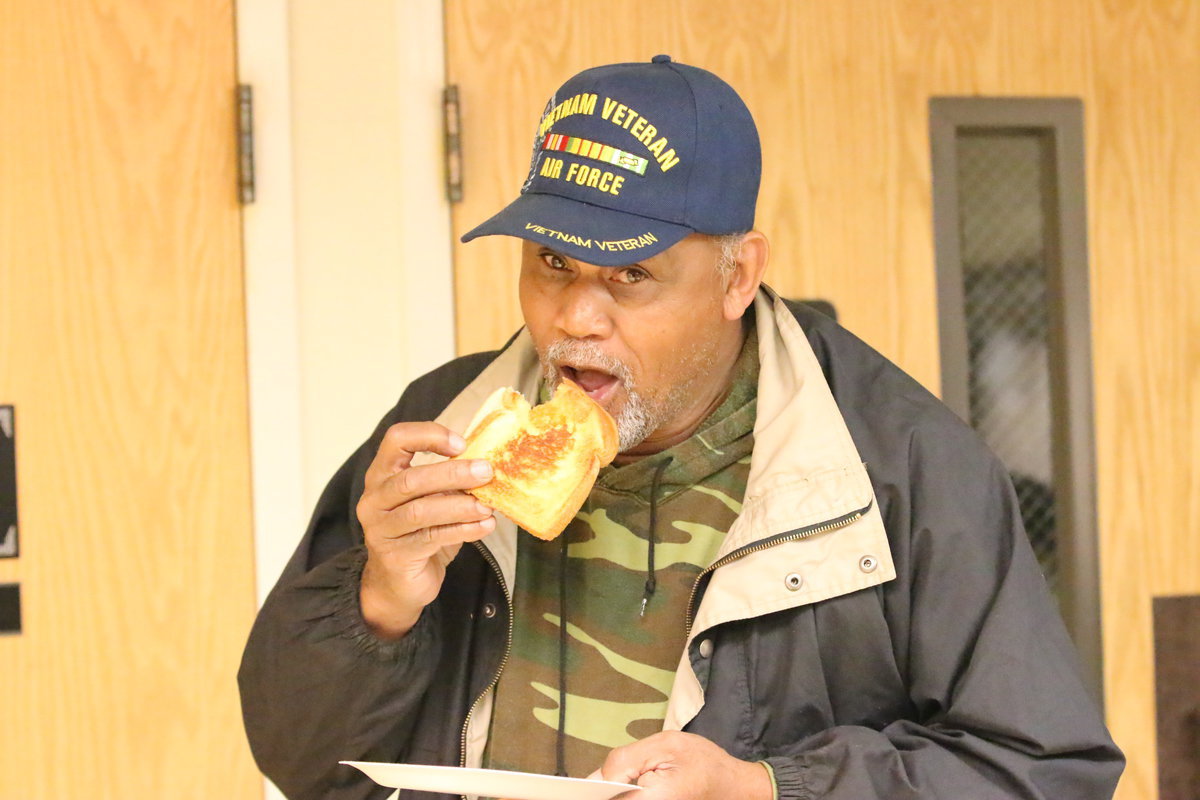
[644,341]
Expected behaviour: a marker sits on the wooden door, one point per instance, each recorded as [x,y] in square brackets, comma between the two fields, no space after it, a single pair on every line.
[840,91]
[122,348]
[835,183]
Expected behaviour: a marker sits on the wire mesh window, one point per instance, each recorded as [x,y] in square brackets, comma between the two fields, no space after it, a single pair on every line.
[1002,222]
[1011,249]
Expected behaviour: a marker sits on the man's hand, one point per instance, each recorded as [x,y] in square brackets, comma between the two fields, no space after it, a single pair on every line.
[682,766]
[414,521]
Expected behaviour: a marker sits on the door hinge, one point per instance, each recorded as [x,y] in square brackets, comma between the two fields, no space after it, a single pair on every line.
[453,143]
[245,142]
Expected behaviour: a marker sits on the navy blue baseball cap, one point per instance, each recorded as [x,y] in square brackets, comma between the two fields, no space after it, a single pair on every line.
[628,159]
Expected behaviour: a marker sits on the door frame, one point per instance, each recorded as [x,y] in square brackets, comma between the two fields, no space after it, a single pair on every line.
[299,433]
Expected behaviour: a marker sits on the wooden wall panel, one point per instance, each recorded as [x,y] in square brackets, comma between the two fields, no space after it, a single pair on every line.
[1144,193]
[122,346]
[840,92]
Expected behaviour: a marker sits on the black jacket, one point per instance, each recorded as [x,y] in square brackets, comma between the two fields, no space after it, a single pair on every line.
[955,679]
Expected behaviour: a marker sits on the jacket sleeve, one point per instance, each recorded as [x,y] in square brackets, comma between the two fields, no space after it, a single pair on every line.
[998,706]
[317,686]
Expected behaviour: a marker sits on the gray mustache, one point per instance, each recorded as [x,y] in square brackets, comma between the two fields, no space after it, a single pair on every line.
[587,355]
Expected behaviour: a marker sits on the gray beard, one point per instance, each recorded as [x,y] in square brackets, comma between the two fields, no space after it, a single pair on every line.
[638,418]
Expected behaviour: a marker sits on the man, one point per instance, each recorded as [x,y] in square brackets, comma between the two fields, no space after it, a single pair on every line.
[802,577]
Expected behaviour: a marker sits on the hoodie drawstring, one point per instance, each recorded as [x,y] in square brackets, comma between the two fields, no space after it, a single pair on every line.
[560,754]
[651,579]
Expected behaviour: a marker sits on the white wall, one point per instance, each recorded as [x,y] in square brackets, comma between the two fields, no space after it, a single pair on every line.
[347,245]
[372,228]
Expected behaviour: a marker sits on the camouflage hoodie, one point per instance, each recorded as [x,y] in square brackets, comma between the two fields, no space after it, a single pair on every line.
[646,531]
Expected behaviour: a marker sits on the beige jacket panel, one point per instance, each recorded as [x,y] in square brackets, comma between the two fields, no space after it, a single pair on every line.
[805,471]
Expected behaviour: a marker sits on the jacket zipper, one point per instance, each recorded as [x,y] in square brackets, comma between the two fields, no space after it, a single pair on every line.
[791,536]
[487,556]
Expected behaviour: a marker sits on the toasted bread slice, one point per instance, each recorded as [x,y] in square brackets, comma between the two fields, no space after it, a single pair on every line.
[545,458]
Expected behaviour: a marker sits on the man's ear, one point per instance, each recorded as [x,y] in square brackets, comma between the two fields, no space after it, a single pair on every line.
[749,266]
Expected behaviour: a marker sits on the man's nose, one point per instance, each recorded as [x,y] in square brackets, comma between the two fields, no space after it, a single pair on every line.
[584,311]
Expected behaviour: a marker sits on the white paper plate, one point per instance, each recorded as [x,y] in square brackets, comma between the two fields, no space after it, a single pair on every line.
[489,782]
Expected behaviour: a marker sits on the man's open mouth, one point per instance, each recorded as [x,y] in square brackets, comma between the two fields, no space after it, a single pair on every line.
[598,384]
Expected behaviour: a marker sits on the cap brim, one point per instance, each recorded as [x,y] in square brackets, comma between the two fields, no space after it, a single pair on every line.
[582,231]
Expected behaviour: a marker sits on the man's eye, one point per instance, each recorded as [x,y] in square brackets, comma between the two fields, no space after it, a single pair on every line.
[554,261]
[632,275]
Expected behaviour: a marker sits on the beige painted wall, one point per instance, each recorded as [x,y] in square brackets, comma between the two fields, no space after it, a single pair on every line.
[347,242]
[372,232]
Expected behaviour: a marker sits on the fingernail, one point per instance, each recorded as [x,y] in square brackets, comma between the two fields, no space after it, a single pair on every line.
[457,442]
[481,469]
[481,508]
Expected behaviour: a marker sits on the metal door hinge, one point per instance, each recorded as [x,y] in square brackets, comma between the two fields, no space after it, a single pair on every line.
[451,118]
[245,142]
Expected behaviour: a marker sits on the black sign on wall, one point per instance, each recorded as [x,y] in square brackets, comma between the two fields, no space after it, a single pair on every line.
[10,608]
[8,483]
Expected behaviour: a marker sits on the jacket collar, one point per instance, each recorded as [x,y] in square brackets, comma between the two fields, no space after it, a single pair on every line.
[805,469]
